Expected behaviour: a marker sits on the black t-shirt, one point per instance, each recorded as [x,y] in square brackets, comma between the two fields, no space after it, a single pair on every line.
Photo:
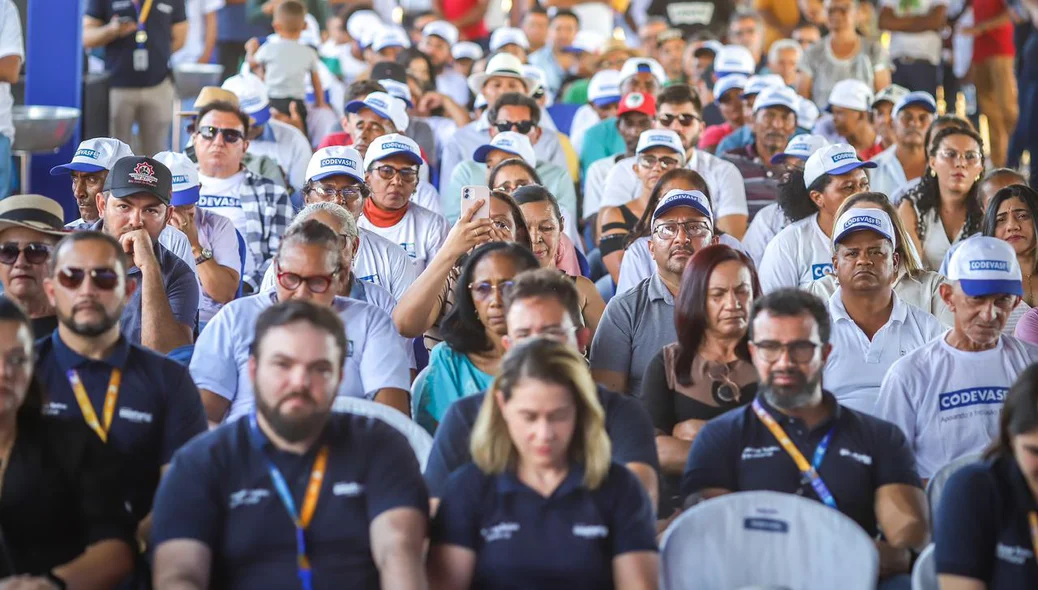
[694,16]
[159,27]
[42,327]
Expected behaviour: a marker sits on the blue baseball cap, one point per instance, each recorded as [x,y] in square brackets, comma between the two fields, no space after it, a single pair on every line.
[679,198]
[874,220]
[985,265]
[185,178]
[918,98]
[801,146]
[391,145]
[835,159]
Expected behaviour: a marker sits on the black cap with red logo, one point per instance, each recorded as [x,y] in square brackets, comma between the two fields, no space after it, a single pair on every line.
[135,175]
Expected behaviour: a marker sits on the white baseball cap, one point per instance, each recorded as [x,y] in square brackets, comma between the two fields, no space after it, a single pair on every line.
[891,94]
[508,36]
[391,145]
[511,142]
[874,220]
[604,88]
[661,138]
[95,155]
[850,94]
[385,106]
[586,42]
[729,82]
[398,89]
[390,37]
[252,96]
[807,113]
[985,265]
[536,73]
[362,21]
[679,198]
[467,50]
[755,84]
[185,177]
[502,64]
[776,96]
[734,59]
[834,159]
[442,29]
[919,98]
[334,161]
[801,146]
[640,65]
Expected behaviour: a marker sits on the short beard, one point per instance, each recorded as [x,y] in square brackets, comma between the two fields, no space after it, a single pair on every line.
[792,398]
[93,329]
[292,430]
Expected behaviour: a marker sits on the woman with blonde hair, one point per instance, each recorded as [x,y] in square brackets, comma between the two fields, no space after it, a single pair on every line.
[914,284]
[542,505]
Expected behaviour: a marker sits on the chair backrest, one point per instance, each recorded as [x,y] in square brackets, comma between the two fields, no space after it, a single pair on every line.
[935,487]
[585,266]
[563,114]
[416,390]
[794,542]
[420,440]
[924,572]
[242,253]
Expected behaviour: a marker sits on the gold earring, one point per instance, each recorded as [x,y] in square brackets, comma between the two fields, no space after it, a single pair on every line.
[932,173]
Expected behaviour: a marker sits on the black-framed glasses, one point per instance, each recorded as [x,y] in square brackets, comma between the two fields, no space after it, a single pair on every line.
[346,194]
[727,391]
[209,133]
[800,351]
[315,283]
[35,252]
[387,172]
[684,120]
[693,229]
[523,127]
[665,162]
[484,290]
[104,278]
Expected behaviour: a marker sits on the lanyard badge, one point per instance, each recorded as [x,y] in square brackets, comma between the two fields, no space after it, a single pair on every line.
[808,470]
[140,55]
[89,415]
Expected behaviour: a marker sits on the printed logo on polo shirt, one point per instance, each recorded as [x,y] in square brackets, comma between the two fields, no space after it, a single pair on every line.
[767,525]
[348,488]
[590,531]
[859,457]
[144,173]
[349,348]
[212,202]
[132,415]
[164,8]
[999,265]
[976,396]
[54,409]
[88,153]
[820,270]
[759,452]
[501,531]
[373,279]
[248,497]
[344,162]
[410,248]
[121,4]
[844,156]
[1013,554]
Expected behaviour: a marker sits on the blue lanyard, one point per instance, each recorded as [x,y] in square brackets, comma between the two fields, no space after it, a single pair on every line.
[809,471]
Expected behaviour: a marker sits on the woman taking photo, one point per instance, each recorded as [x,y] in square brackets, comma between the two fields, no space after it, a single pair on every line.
[63,525]
[466,361]
[708,370]
[944,208]
[542,506]
[986,528]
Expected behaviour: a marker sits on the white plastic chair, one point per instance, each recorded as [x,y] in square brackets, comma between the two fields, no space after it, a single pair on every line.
[935,487]
[416,390]
[924,572]
[421,442]
[769,538]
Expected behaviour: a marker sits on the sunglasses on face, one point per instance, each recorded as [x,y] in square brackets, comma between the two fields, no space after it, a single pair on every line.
[104,279]
[316,283]
[523,127]
[35,252]
[685,120]
[387,172]
[209,133]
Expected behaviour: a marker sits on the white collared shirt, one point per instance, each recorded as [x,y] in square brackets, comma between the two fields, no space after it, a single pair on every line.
[857,365]
[888,175]
[799,254]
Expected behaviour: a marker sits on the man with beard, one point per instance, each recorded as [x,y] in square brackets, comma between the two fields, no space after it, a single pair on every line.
[135,207]
[142,405]
[796,438]
[232,512]
[905,160]
[30,225]
[638,323]
[872,326]
[634,116]
[308,267]
[774,122]
[947,396]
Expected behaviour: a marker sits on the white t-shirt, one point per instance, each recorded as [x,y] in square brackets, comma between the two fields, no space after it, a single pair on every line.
[925,46]
[595,182]
[799,254]
[11,43]
[287,146]
[223,197]
[766,224]
[375,358]
[420,233]
[585,118]
[857,365]
[948,401]
[427,196]
[638,263]
[194,44]
[888,175]
[727,188]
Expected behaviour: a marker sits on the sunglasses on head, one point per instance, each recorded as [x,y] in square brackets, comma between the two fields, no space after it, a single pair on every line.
[209,133]
[523,127]
[105,279]
[35,252]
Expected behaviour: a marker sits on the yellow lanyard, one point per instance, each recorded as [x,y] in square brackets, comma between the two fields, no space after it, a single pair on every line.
[145,12]
[111,396]
[1033,518]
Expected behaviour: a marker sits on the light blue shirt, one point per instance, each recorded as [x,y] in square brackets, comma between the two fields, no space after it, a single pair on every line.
[544,59]
[451,376]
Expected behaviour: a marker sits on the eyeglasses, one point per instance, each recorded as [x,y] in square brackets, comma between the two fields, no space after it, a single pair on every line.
[508,187]
[484,290]
[387,172]
[104,279]
[209,133]
[800,351]
[971,158]
[346,194]
[35,252]
[666,163]
[523,127]
[727,390]
[684,120]
[315,283]
[692,229]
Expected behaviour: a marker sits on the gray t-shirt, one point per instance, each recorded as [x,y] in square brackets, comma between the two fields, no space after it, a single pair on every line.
[634,327]
[286,65]
[826,69]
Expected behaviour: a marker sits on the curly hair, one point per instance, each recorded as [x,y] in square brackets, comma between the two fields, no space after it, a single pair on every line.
[926,196]
[794,199]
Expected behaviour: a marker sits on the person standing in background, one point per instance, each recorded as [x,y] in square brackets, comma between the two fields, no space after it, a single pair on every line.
[202,32]
[993,54]
[138,38]
[233,30]
[915,40]
[12,54]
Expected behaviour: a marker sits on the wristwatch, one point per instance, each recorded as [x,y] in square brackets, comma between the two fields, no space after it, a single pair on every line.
[206,254]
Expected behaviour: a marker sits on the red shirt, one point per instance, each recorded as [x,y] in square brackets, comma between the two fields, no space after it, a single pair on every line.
[870,153]
[454,9]
[996,42]
[713,135]
[337,138]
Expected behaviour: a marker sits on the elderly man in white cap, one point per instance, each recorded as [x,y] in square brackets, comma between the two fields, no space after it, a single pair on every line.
[850,103]
[906,160]
[774,122]
[30,226]
[465,55]
[947,395]
[871,326]
[504,74]
[437,39]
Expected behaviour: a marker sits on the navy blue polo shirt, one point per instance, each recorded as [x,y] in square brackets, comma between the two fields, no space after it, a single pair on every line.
[157,411]
[627,423]
[982,531]
[119,53]
[737,452]
[524,540]
[218,491]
